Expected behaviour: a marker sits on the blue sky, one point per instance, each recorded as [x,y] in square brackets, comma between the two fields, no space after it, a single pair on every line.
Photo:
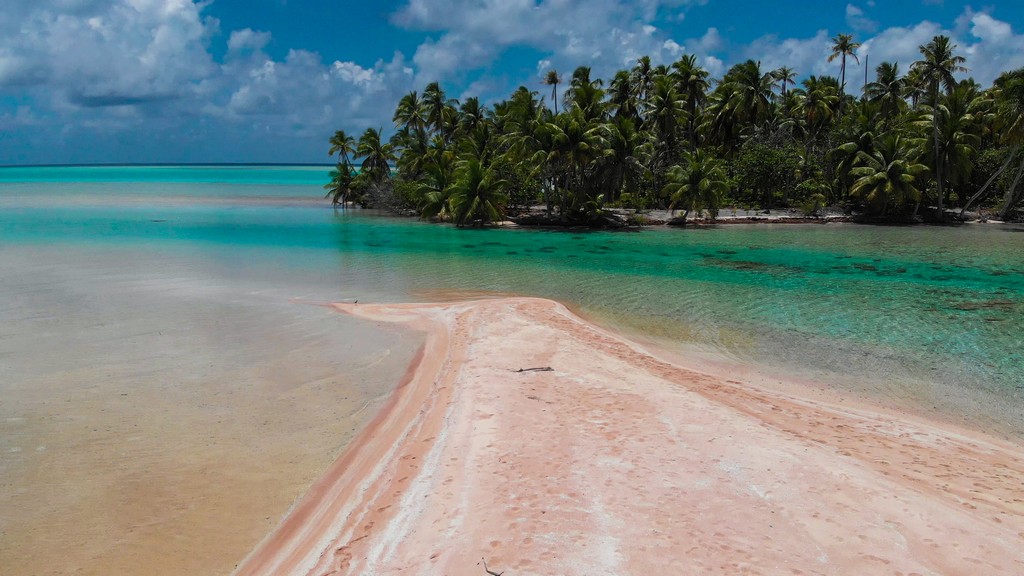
[98,81]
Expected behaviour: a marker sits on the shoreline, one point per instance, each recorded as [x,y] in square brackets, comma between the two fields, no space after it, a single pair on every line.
[655,464]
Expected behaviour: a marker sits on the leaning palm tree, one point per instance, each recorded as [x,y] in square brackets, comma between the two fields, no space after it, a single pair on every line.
[477,195]
[343,145]
[1009,127]
[553,79]
[698,184]
[339,189]
[843,46]
[377,155]
[886,179]
[935,70]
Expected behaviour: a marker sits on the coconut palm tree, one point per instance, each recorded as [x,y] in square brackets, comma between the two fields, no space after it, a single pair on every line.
[377,156]
[1009,125]
[343,145]
[699,183]
[441,114]
[817,104]
[622,96]
[471,115]
[477,194]
[620,161]
[888,90]
[843,46]
[886,178]
[411,115]
[553,79]
[692,86]
[784,76]
[751,100]
[936,69]
[643,79]
[339,189]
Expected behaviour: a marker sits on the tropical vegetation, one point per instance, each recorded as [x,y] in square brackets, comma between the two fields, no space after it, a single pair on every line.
[906,148]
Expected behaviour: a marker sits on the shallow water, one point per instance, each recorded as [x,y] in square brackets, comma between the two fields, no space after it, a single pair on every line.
[925,316]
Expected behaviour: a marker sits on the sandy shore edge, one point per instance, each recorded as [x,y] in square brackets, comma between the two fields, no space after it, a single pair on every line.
[615,461]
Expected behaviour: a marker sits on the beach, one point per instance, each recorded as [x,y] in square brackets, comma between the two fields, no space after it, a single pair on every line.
[527,438]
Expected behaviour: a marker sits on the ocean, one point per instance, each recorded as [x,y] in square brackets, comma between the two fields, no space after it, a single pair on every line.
[236,261]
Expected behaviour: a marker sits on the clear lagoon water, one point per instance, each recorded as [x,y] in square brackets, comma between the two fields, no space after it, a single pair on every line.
[167,391]
[935,312]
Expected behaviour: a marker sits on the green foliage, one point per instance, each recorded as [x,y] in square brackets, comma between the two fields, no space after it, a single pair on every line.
[667,135]
[765,173]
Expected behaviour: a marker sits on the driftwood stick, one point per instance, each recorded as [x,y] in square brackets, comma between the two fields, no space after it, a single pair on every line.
[543,369]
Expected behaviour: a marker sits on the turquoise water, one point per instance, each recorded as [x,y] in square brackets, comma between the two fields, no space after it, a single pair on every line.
[929,314]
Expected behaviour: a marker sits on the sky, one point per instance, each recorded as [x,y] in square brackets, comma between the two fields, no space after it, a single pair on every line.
[254,81]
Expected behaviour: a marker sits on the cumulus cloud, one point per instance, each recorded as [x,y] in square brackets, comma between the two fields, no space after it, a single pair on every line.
[603,34]
[125,68]
[990,45]
[107,53]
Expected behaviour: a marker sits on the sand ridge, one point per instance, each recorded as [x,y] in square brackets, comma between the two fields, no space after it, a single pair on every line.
[617,462]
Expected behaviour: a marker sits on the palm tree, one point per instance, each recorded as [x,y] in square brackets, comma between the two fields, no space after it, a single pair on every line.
[622,96]
[339,189]
[785,76]
[411,115]
[935,70]
[643,79]
[377,156]
[888,90]
[477,195]
[664,120]
[843,46]
[620,160]
[692,86]
[343,145]
[575,143]
[751,100]
[1009,125]
[440,110]
[698,184]
[886,177]
[553,79]
[471,115]
[434,192]
[816,106]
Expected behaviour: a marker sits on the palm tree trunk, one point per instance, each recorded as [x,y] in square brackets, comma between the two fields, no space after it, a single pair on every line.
[1009,158]
[938,166]
[842,83]
[1011,199]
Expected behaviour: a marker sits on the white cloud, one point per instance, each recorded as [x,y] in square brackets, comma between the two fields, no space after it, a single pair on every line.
[856,19]
[603,34]
[132,67]
[247,39]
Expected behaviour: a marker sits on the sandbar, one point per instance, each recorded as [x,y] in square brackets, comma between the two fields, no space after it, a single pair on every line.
[527,438]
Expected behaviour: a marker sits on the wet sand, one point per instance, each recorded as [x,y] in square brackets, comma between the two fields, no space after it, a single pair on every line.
[618,462]
[160,414]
